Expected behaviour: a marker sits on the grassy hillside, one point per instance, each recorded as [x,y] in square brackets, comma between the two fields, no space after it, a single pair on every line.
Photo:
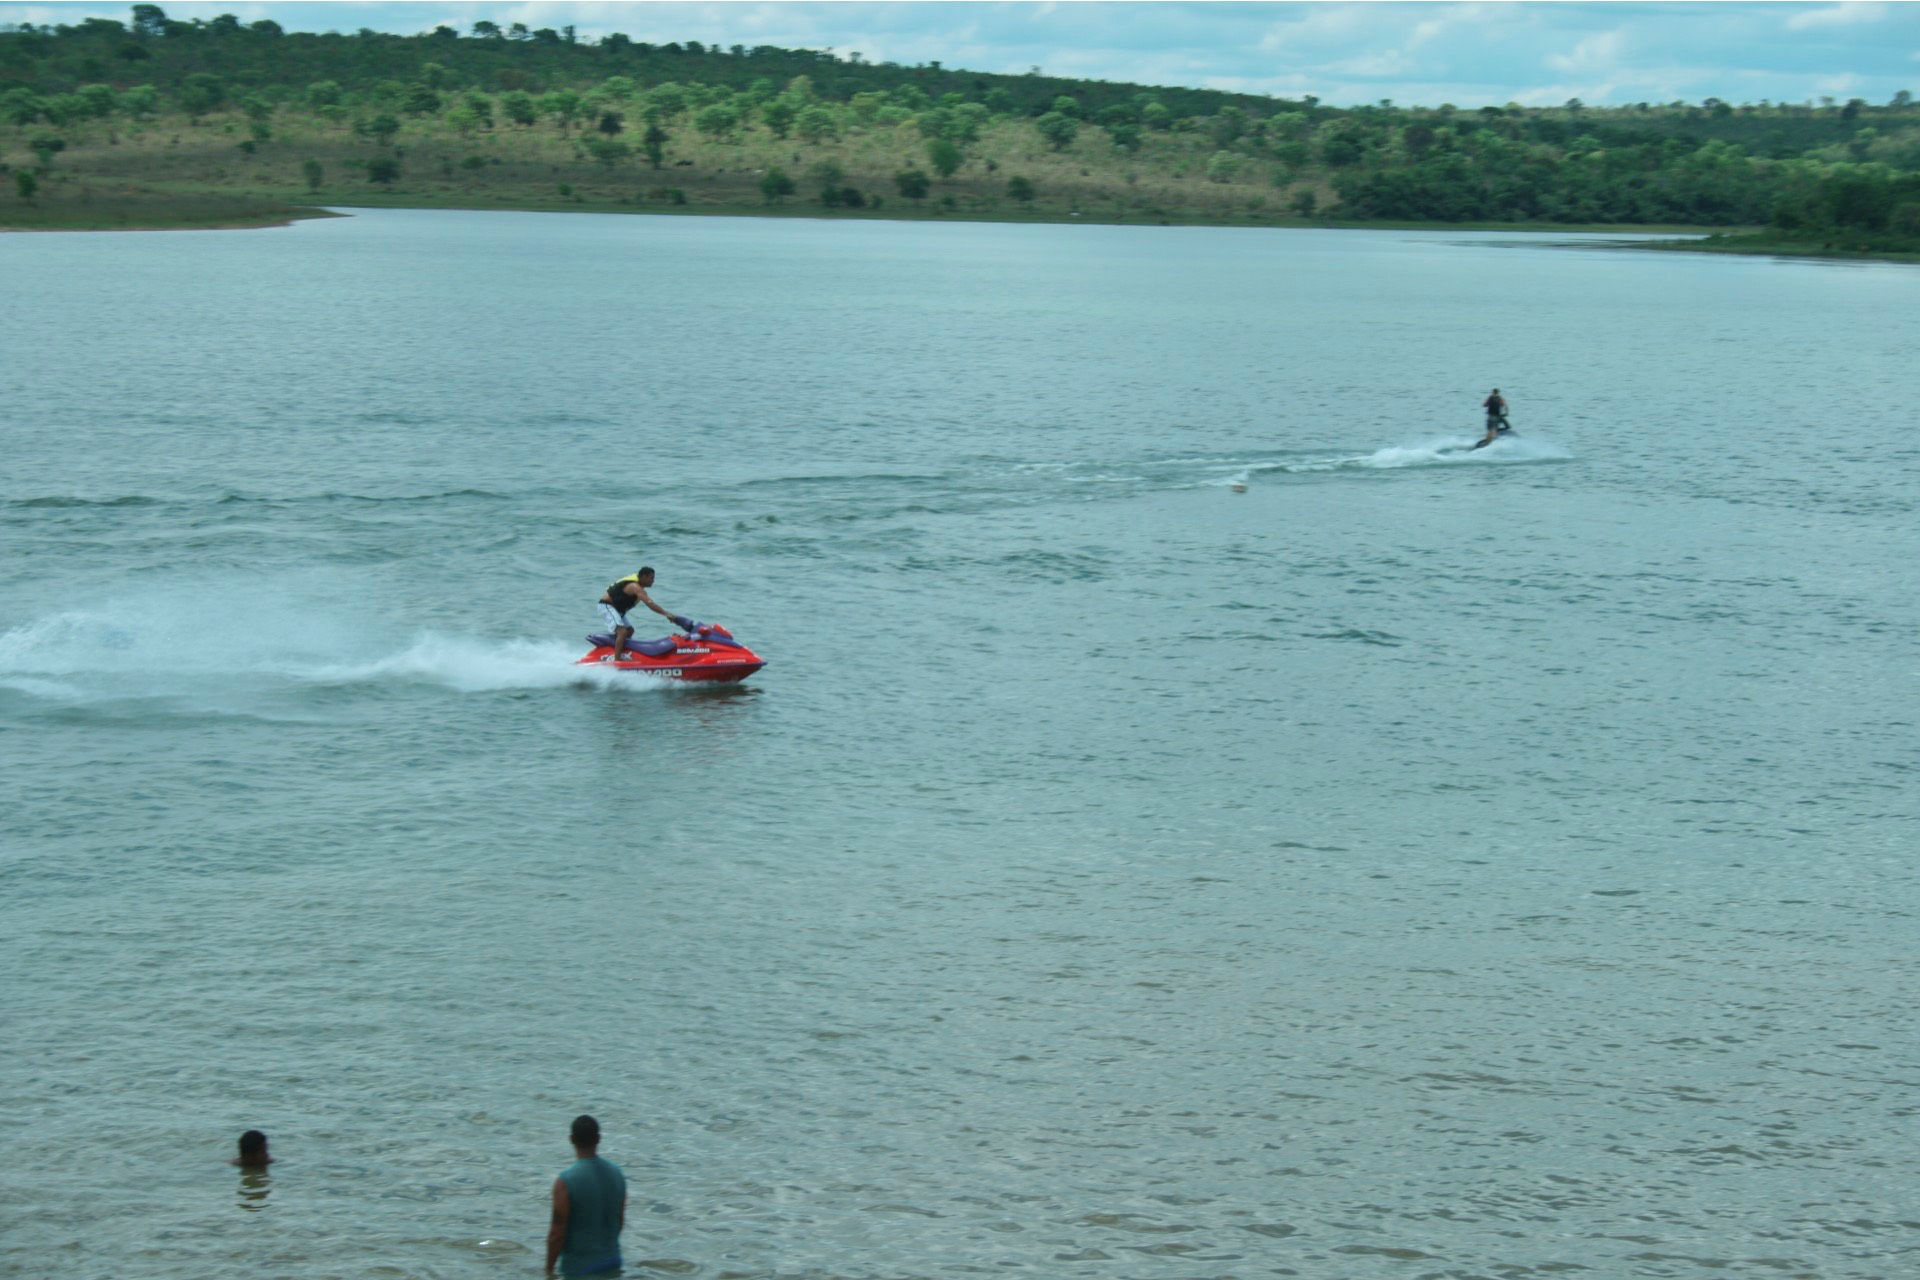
[309,159]
[156,122]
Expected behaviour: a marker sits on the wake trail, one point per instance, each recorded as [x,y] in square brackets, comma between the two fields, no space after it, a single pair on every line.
[1436,451]
[77,657]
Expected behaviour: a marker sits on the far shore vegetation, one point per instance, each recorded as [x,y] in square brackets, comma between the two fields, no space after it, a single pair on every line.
[161,123]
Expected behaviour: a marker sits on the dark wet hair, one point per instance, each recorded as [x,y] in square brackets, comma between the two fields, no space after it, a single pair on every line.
[585,1132]
[252,1142]
[645,569]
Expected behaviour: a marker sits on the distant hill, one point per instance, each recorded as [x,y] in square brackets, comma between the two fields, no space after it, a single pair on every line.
[110,123]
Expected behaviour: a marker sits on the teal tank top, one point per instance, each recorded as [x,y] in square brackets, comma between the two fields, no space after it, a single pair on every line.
[595,1190]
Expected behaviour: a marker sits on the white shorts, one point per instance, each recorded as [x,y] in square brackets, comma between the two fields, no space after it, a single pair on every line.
[611,616]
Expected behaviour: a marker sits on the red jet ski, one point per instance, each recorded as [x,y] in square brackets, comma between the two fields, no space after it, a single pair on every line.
[708,652]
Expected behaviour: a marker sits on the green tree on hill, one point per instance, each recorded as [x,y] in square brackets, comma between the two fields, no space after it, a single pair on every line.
[608,151]
[775,185]
[1058,128]
[653,144]
[1228,126]
[1340,147]
[20,106]
[826,177]
[201,94]
[666,101]
[944,157]
[778,116]
[150,21]
[519,108]
[913,183]
[719,122]
[382,129]
[563,105]
[63,109]
[101,99]
[816,124]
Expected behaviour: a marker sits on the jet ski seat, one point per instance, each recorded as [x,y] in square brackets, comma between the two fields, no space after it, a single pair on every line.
[652,648]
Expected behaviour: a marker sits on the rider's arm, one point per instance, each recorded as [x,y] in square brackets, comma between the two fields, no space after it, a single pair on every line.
[647,600]
[557,1227]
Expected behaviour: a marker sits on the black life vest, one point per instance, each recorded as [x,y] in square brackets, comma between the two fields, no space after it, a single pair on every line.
[617,595]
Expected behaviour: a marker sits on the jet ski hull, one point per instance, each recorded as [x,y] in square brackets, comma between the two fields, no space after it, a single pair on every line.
[705,660]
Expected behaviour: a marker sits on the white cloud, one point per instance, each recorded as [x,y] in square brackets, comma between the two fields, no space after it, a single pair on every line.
[1837,15]
[1390,62]
[1600,51]
[1320,24]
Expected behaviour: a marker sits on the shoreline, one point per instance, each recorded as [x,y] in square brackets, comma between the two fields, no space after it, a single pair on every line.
[251,222]
[1698,239]
[237,225]
[296,213]
[1754,245]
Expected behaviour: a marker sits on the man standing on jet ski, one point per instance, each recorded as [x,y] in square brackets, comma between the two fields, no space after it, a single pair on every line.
[1497,424]
[622,596]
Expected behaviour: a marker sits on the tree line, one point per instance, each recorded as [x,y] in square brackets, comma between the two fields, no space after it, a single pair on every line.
[1827,171]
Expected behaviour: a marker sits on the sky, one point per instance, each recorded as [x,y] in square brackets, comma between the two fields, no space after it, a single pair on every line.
[1469,54]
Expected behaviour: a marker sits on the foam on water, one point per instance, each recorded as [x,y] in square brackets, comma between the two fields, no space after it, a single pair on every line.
[76,656]
[1432,451]
[1459,451]
[472,665]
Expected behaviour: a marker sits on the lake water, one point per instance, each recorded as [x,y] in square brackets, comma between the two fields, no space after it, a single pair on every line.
[1420,863]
